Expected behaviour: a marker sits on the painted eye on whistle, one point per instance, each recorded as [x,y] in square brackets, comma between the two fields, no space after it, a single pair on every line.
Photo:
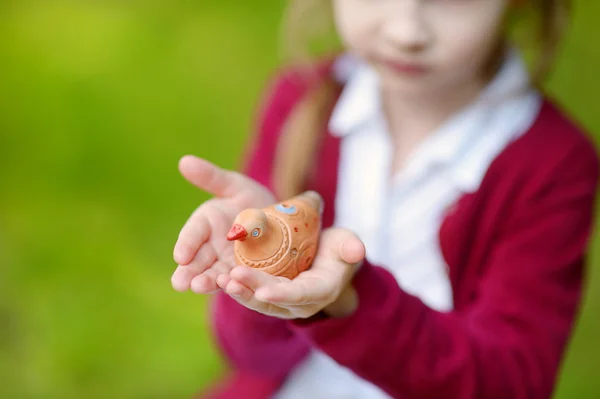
[255,232]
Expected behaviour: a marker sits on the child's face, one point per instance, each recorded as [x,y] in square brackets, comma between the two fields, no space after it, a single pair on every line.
[423,45]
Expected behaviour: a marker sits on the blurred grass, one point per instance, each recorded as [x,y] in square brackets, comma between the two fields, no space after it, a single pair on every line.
[98,101]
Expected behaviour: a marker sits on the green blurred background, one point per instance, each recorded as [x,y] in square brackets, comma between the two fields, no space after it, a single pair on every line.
[98,101]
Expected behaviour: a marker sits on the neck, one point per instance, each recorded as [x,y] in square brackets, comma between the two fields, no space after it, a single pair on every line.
[412,117]
[417,116]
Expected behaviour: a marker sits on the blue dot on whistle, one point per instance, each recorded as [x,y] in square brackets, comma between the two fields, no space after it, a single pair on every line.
[284,209]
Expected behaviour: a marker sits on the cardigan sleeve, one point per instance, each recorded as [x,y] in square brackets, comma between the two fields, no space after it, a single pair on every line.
[255,344]
[510,341]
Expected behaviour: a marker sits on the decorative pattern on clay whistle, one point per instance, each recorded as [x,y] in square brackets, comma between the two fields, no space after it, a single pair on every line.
[281,239]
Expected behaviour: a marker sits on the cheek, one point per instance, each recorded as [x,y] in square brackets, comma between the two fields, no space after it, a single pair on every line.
[470,50]
[355,25]
[467,41]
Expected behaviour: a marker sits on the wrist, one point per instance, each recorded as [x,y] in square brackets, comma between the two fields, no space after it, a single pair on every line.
[345,304]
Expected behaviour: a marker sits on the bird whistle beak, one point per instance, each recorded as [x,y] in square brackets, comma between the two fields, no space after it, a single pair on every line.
[237,232]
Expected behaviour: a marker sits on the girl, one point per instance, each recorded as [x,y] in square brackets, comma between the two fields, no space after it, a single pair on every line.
[459,204]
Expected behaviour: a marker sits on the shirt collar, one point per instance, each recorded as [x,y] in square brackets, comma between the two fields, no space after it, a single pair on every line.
[359,101]
[505,108]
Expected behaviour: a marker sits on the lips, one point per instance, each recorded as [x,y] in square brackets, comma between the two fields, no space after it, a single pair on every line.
[408,68]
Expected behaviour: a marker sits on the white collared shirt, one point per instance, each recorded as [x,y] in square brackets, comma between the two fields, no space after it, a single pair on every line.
[398,219]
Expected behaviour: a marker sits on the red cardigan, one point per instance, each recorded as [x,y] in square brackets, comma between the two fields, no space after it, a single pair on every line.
[516,255]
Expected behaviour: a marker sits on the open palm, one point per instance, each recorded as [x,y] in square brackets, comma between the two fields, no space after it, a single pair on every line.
[202,251]
[325,286]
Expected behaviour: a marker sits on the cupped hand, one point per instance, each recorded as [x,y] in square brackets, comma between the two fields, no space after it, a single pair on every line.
[325,286]
[202,251]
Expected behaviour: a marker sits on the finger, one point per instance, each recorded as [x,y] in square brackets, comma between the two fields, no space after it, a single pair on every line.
[194,233]
[337,258]
[343,244]
[209,177]
[239,291]
[181,278]
[245,296]
[206,283]
[252,278]
[352,249]
[204,259]
[203,283]
[222,280]
[184,274]
[332,269]
[300,291]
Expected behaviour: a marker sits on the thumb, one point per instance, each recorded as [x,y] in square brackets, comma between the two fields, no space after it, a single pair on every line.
[209,177]
[347,246]
[352,250]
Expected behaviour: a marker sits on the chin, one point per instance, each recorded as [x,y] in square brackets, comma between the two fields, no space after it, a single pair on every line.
[425,85]
[406,84]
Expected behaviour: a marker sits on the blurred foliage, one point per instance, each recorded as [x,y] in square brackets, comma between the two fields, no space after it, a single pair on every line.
[98,101]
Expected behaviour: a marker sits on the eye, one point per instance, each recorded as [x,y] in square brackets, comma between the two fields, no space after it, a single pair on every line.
[255,232]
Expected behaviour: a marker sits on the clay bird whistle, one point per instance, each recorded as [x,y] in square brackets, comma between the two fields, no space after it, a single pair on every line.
[281,239]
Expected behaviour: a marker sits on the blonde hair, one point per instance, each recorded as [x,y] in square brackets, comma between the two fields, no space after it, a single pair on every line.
[308,28]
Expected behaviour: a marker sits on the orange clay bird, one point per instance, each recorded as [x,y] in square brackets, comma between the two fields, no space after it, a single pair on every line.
[281,239]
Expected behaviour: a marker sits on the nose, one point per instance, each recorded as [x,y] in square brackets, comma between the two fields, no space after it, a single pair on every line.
[406,27]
